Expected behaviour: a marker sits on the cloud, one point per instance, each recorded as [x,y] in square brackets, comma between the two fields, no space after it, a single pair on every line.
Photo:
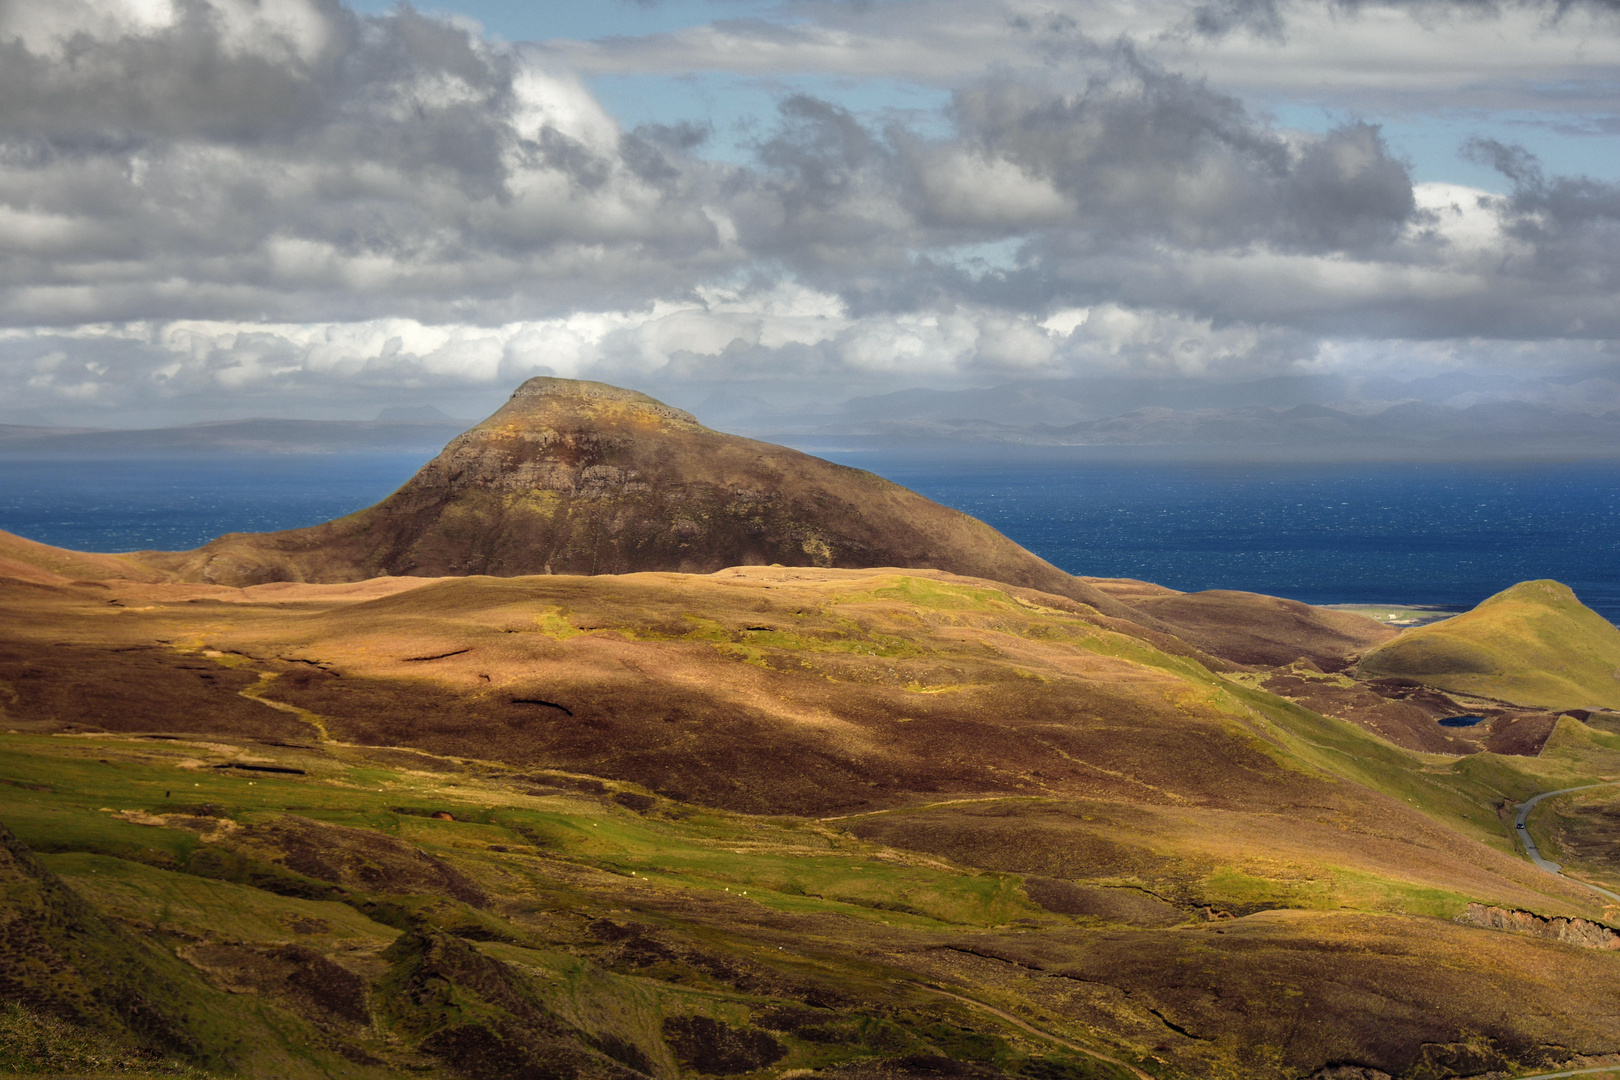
[1271,18]
[1566,237]
[1549,55]
[292,159]
[286,201]
[1141,164]
[1145,152]
[782,336]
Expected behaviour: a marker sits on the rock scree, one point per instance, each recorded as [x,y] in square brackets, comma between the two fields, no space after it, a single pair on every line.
[1581,932]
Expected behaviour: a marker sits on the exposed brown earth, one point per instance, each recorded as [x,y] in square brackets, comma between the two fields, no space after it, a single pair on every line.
[314,985]
[1395,713]
[1408,714]
[71,686]
[1587,935]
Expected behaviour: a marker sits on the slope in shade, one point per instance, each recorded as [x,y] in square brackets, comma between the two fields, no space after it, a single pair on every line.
[583,478]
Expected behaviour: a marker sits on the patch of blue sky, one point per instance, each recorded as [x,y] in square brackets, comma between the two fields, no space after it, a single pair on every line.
[1571,144]
[991,257]
[581,20]
[741,111]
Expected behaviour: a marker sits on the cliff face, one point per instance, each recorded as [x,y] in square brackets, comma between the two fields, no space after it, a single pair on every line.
[582,478]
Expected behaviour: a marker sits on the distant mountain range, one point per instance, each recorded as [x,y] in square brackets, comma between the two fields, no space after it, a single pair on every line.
[1411,428]
[1324,417]
[395,430]
[1327,417]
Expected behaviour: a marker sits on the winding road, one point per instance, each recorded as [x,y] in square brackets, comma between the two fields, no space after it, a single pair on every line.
[1522,828]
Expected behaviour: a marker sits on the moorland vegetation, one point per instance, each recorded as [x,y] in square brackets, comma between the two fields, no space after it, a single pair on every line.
[603,801]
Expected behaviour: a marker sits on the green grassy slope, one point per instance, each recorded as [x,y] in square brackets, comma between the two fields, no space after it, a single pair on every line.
[593,932]
[1533,644]
[581,927]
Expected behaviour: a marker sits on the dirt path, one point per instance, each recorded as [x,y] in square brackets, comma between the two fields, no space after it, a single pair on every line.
[256,693]
[930,806]
[1032,1029]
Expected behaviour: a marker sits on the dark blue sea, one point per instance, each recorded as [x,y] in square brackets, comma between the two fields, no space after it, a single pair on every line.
[1364,533]
[175,503]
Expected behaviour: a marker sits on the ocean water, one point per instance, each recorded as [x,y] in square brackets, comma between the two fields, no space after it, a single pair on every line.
[1418,534]
[177,503]
[1446,535]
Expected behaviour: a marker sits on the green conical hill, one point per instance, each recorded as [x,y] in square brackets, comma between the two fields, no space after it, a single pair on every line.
[575,477]
[1533,644]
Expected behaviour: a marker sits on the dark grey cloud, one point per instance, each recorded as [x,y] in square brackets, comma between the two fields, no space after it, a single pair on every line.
[1270,18]
[1135,170]
[95,91]
[1568,226]
[827,195]
[1152,153]
[1150,190]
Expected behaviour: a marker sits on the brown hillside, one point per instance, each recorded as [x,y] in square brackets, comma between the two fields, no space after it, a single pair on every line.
[843,811]
[28,560]
[760,690]
[583,478]
[1249,628]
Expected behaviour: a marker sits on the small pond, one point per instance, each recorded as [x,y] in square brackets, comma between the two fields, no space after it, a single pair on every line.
[1461,721]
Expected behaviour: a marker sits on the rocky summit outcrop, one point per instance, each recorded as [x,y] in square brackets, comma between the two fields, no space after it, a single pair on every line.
[575,477]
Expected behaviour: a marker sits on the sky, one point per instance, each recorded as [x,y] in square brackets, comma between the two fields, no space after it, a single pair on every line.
[223,208]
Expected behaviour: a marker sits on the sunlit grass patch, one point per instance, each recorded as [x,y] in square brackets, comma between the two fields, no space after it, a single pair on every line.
[1532,644]
[929,593]
[1326,888]
[555,623]
[782,866]
[182,903]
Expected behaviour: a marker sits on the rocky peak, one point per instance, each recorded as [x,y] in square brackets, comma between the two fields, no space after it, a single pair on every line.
[545,401]
[584,478]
